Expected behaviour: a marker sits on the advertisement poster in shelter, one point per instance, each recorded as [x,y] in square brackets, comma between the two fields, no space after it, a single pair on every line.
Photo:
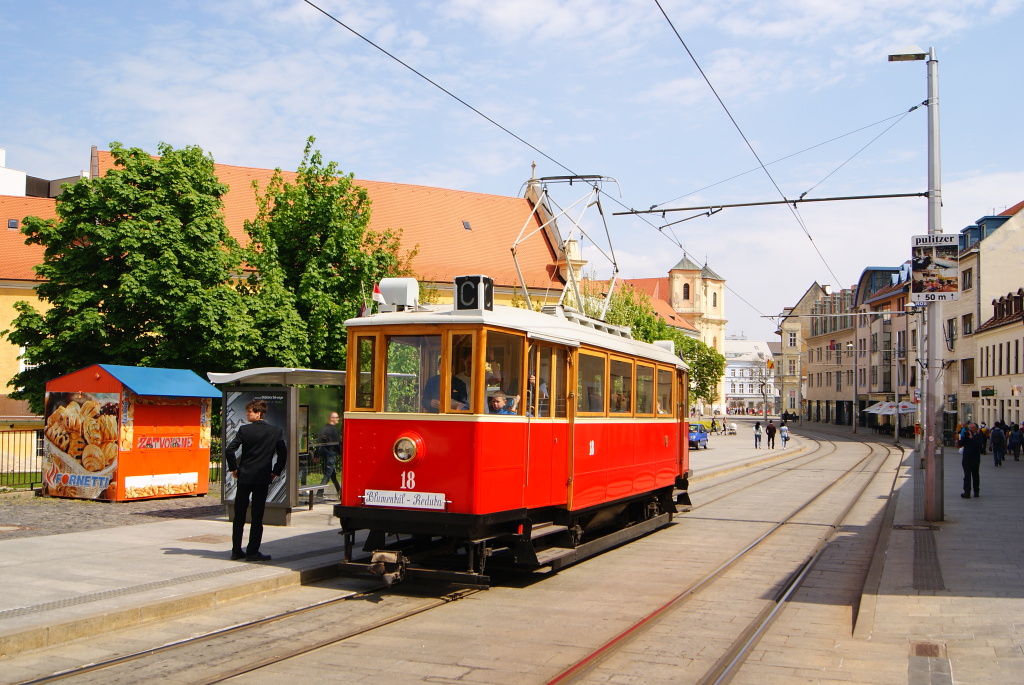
[80,444]
[234,416]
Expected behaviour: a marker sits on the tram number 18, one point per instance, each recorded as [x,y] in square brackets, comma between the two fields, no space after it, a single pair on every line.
[408,480]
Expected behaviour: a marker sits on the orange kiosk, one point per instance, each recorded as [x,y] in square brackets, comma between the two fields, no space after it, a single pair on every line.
[127,432]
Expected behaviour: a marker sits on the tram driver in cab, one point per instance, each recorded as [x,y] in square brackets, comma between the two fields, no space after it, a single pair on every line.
[431,401]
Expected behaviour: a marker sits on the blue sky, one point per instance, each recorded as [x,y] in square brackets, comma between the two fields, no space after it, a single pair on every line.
[600,86]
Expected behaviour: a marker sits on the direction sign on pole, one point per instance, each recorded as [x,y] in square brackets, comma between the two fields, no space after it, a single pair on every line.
[936,268]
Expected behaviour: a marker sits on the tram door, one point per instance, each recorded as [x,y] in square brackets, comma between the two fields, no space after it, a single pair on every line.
[682,413]
[548,441]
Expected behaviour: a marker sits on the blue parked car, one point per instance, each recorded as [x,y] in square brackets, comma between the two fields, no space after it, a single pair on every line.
[698,436]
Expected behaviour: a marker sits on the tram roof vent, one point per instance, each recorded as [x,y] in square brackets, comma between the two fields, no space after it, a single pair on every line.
[555,310]
[597,324]
[669,345]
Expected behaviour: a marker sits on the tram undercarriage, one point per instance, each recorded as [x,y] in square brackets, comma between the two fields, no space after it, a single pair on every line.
[458,548]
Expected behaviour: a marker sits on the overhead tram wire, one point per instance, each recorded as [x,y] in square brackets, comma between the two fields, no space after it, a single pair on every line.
[865,147]
[901,115]
[792,210]
[441,88]
[554,161]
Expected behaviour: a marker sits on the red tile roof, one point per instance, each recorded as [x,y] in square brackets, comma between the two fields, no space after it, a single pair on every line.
[19,258]
[653,287]
[1014,209]
[431,220]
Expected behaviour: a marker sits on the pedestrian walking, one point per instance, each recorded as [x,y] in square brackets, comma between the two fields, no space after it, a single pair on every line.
[330,453]
[972,445]
[997,438]
[757,435]
[770,431]
[254,471]
[784,434]
[1014,441]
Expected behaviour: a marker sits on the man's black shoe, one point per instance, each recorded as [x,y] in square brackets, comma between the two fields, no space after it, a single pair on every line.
[965,495]
[977,494]
[258,556]
[237,554]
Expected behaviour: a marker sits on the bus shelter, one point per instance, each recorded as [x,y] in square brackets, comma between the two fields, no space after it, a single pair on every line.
[299,401]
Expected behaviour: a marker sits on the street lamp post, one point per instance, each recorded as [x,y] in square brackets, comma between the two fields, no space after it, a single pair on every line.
[933,495]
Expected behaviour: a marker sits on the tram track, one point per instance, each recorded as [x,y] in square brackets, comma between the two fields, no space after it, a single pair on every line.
[220,655]
[127,667]
[734,655]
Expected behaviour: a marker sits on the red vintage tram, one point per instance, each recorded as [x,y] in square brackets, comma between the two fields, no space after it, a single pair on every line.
[472,430]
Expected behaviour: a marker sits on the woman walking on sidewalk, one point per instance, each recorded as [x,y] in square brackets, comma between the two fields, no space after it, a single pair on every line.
[757,435]
[784,434]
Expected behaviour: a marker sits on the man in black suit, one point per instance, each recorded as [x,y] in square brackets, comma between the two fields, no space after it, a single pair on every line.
[254,472]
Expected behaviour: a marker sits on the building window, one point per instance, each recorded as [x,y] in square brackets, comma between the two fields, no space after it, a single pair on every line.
[791,367]
[950,332]
[966,280]
[686,291]
[792,339]
[967,371]
[810,380]
[714,299]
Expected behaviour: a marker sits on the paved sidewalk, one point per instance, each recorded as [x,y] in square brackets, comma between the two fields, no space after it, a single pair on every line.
[946,602]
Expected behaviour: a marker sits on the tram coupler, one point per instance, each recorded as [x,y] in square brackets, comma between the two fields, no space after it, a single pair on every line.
[390,566]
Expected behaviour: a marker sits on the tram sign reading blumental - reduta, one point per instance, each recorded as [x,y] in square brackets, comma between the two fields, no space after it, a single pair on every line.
[936,268]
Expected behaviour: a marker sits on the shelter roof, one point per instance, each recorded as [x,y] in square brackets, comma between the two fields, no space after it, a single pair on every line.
[279,375]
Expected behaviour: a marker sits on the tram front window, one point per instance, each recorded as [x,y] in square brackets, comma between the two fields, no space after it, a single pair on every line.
[413,381]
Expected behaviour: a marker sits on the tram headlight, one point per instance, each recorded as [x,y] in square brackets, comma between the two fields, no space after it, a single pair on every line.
[405,449]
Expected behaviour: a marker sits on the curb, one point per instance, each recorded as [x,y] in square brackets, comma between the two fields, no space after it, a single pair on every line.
[28,639]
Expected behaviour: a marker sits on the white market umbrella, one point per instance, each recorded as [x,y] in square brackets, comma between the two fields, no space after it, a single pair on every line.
[906,407]
[887,409]
[874,408]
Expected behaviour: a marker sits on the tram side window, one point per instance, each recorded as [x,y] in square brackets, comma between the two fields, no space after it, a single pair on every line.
[559,390]
[364,371]
[644,389]
[543,382]
[590,386]
[462,367]
[503,370]
[664,392]
[620,400]
[412,383]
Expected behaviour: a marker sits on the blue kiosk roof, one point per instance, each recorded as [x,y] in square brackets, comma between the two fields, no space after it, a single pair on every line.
[167,382]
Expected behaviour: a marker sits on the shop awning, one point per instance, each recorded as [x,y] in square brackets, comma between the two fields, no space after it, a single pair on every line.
[144,380]
[279,375]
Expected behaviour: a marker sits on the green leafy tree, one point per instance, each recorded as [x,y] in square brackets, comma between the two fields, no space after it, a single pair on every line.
[632,307]
[136,271]
[317,231]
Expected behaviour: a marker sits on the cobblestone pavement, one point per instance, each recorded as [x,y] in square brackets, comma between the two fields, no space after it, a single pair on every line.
[25,515]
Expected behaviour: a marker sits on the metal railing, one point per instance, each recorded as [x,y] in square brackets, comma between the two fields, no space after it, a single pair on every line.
[21,458]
